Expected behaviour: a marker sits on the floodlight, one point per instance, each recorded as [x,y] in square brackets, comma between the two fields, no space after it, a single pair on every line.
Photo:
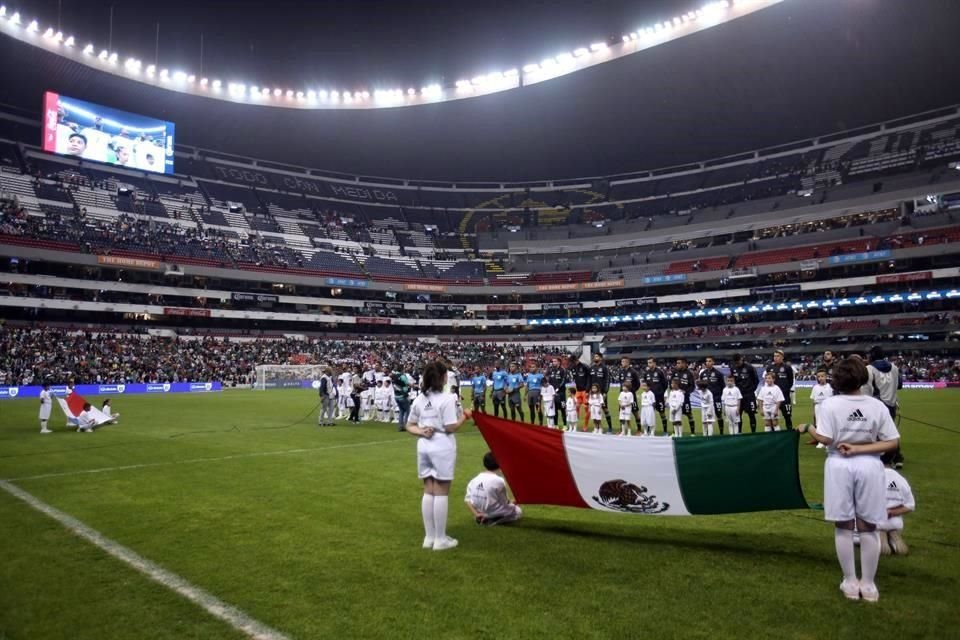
[511,73]
[15,18]
[180,76]
[33,27]
[598,46]
[411,91]
[203,81]
[88,50]
[530,68]
[216,85]
[103,54]
[580,51]
[3,10]
[70,41]
[626,38]
[299,95]
[323,94]
[277,92]
[289,93]
[48,33]
[565,58]
[113,58]
[311,95]
[191,78]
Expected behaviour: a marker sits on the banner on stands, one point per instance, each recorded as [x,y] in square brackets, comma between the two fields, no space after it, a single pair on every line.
[905,277]
[186,311]
[424,286]
[865,256]
[134,263]
[674,277]
[348,282]
[33,391]
[504,307]
[372,320]
[254,297]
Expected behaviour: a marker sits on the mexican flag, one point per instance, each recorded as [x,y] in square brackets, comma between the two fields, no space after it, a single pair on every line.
[656,475]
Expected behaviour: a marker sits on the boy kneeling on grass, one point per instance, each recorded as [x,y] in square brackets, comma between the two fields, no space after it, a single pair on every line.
[857,430]
[487,496]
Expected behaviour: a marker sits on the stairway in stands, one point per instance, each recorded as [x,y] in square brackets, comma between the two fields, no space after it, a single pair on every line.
[462,231]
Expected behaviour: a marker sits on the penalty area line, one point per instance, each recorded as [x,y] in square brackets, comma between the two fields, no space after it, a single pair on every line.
[208,602]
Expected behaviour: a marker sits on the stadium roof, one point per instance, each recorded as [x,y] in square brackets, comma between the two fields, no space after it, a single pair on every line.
[795,70]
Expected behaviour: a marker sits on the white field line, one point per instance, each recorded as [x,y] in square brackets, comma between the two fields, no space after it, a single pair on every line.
[238,456]
[207,601]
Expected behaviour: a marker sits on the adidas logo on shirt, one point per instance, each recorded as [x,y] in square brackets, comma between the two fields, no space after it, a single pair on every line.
[856,416]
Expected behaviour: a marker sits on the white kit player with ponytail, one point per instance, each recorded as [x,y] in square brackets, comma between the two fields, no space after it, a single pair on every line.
[856,430]
[434,417]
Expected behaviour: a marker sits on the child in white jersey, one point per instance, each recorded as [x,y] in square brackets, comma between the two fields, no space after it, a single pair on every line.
[675,400]
[595,402]
[46,404]
[857,430]
[900,501]
[573,415]
[548,395]
[625,401]
[647,412]
[731,399]
[820,392]
[487,496]
[771,398]
[708,411]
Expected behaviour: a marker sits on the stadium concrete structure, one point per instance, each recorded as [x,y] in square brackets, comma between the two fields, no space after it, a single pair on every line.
[808,244]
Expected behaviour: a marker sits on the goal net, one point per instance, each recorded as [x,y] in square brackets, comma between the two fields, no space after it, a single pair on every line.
[286,376]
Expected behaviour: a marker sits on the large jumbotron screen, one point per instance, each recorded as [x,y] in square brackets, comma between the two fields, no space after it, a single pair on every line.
[91,131]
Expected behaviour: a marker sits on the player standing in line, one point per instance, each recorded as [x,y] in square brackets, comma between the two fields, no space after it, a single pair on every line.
[675,399]
[771,399]
[434,418]
[827,362]
[820,392]
[626,402]
[596,402]
[487,496]
[549,396]
[367,399]
[857,430]
[534,381]
[328,398]
[656,381]
[731,398]
[600,376]
[572,410]
[558,377]
[648,401]
[708,410]
[478,384]
[499,392]
[580,374]
[783,377]
[714,380]
[343,389]
[685,380]
[46,405]
[629,373]
[514,384]
[390,401]
[747,381]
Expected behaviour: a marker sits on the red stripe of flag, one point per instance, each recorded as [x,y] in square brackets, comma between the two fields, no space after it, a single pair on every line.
[533,460]
[75,401]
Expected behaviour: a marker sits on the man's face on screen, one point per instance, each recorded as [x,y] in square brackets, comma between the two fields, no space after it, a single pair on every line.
[76,146]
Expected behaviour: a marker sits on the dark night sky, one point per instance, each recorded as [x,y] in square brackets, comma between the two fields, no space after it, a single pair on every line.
[800,69]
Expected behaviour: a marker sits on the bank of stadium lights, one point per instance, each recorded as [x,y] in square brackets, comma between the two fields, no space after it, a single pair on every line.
[754,307]
[560,64]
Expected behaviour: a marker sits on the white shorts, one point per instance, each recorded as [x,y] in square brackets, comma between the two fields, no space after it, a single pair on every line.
[708,414]
[45,413]
[676,414]
[625,414]
[647,418]
[596,413]
[550,408]
[854,487]
[572,418]
[437,457]
[770,413]
[732,414]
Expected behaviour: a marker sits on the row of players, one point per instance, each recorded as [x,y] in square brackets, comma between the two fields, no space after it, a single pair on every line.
[545,392]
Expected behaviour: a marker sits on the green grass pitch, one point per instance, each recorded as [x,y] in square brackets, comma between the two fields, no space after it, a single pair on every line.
[319,536]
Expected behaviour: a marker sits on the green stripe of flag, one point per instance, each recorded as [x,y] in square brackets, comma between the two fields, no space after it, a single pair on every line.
[749,472]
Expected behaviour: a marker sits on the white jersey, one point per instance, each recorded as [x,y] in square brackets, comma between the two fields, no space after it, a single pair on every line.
[453,382]
[436,456]
[818,394]
[571,407]
[487,493]
[86,420]
[435,410]
[549,395]
[769,396]
[731,397]
[595,402]
[899,494]
[855,419]
[708,413]
[380,397]
[345,385]
[46,404]
[625,400]
[675,398]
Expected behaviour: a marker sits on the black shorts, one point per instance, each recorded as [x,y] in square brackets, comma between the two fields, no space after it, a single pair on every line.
[499,395]
[515,398]
[659,405]
[687,408]
[749,404]
[533,397]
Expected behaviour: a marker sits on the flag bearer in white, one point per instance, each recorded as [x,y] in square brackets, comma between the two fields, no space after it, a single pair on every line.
[675,400]
[86,423]
[771,398]
[708,411]
[548,394]
[107,409]
[46,405]
[434,417]
[648,401]
[572,413]
[487,496]
[625,400]
[856,430]
[731,399]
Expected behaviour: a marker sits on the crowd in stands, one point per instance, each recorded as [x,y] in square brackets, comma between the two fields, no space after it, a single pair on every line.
[31,356]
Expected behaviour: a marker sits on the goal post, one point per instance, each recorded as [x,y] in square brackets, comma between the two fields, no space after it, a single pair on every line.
[286,376]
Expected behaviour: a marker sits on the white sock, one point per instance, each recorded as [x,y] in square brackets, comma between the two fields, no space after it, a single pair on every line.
[768,428]
[843,539]
[426,510]
[440,504]
[869,556]
[43,425]
[709,429]
[776,427]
